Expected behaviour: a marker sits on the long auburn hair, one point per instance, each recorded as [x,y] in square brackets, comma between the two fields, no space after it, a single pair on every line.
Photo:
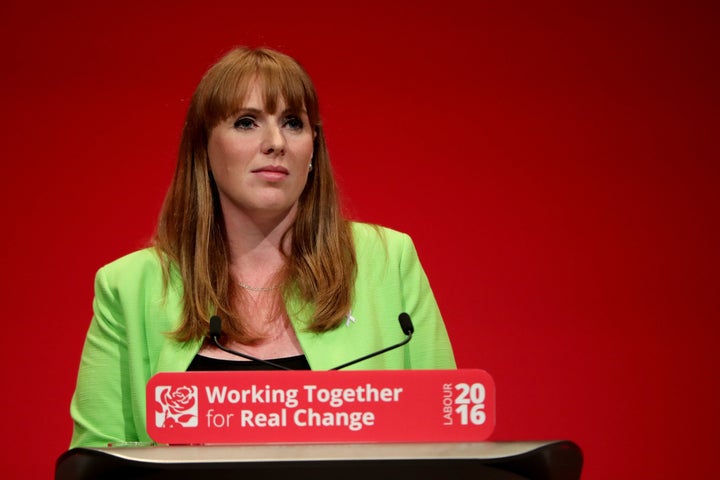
[320,267]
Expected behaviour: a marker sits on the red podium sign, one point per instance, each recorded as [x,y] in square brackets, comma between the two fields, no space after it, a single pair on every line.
[321,406]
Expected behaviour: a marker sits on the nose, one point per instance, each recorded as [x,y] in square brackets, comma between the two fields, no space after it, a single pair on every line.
[273,141]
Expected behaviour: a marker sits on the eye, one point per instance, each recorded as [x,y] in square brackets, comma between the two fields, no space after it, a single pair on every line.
[244,123]
[294,122]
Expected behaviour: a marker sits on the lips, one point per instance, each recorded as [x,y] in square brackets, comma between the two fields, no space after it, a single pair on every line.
[272,173]
[272,169]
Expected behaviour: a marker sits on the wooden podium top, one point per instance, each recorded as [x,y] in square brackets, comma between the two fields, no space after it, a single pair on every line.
[326,452]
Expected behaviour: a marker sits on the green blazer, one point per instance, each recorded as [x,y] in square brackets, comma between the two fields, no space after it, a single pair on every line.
[127,342]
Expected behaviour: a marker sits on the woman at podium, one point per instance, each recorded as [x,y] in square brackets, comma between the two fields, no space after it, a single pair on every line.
[250,233]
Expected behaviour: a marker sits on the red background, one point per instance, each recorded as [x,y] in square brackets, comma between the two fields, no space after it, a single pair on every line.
[555,164]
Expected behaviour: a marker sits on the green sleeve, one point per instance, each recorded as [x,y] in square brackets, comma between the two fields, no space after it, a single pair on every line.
[102,406]
[430,347]
[129,340]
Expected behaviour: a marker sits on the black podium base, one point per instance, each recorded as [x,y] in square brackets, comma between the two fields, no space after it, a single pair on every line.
[555,460]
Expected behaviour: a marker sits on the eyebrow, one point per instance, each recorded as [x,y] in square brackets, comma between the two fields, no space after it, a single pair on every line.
[257,111]
[249,110]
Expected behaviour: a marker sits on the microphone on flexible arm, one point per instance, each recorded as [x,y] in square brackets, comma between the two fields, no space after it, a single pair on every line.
[216,332]
[407,328]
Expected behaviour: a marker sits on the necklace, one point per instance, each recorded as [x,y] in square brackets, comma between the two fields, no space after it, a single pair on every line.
[257,289]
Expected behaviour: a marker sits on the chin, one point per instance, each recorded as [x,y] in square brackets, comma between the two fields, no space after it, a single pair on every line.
[274,208]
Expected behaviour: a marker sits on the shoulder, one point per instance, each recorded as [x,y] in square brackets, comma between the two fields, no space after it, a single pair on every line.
[141,261]
[140,269]
[135,287]
[381,249]
[369,237]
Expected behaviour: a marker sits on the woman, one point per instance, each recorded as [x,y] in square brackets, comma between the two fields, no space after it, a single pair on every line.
[250,231]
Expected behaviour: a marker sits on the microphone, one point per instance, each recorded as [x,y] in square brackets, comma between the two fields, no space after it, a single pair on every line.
[408,330]
[216,332]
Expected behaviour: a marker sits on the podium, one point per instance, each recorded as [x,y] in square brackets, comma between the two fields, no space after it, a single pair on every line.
[531,460]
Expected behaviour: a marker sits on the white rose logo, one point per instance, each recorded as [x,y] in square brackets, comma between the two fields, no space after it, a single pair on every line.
[177,406]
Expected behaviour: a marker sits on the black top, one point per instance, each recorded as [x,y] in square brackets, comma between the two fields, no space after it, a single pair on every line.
[203,364]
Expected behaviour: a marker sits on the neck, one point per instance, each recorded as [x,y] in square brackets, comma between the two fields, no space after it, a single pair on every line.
[257,245]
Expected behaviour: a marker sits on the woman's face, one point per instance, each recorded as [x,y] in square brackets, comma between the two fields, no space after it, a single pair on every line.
[260,160]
